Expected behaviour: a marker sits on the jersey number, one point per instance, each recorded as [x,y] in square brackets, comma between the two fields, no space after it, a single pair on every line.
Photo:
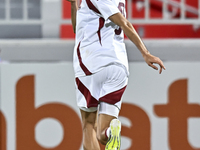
[121,9]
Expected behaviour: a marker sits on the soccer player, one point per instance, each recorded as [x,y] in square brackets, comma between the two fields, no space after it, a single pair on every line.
[101,67]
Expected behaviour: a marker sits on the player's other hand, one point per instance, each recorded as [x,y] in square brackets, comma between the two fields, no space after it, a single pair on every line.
[72,1]
[150,60]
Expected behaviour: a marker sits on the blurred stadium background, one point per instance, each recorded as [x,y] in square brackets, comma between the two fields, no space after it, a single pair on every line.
[37,97]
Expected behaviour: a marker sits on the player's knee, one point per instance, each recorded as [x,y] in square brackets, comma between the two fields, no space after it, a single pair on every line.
[101,138]
[88,124]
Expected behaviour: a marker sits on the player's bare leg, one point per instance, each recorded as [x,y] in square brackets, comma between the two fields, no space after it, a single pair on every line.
[90,141]
[103,124]
[108,132]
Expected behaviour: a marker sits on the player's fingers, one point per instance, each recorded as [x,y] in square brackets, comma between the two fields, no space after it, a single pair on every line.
[162,65]
[153,66]
[160,70]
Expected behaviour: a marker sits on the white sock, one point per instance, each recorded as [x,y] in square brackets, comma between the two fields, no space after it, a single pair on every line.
[108,132]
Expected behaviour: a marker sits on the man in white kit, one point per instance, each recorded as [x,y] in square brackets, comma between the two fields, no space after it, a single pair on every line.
[101,67]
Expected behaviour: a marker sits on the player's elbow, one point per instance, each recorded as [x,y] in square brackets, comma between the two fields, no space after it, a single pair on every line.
[125,24]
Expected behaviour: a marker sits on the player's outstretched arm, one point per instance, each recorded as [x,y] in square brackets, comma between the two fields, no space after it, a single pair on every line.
[130,32]
[74,8]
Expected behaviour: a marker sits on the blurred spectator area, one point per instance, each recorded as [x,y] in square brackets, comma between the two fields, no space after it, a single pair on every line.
[14,16]
[51,18]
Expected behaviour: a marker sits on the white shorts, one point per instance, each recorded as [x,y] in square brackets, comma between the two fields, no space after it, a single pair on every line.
[103,89]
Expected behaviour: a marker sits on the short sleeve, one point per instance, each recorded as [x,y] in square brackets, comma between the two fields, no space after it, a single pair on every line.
[107,8]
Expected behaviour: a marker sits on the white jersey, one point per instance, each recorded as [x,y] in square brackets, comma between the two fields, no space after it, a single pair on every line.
[99,42]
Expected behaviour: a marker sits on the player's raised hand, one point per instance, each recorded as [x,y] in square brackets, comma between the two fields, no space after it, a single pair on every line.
[71,0]
[150,60]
